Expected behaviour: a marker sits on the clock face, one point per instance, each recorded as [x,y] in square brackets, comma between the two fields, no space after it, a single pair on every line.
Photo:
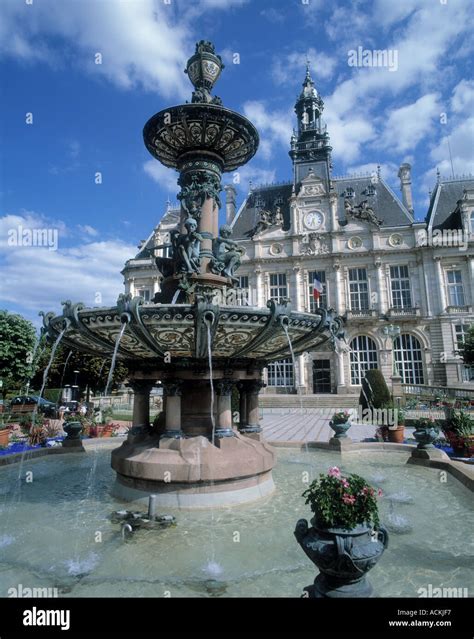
[313,220]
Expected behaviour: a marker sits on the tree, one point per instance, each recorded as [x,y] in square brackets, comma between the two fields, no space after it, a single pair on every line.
[467,349]
[93,371]
[375,392]
[17,347]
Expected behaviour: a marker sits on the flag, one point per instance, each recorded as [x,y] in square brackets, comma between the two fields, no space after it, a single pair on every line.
[317,289]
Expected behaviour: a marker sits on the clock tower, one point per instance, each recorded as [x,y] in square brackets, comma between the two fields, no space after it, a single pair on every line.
[310,146]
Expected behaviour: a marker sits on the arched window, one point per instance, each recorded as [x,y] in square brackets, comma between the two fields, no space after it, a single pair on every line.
[409,359]
[281,373]
[363,356]
[472,222]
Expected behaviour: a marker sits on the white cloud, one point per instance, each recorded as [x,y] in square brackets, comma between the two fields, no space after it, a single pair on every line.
[348,136]
[141,42]
[35,278]
[463,97]
[88,230]
[290,68]
[405,127]
[255,175]
[162,175]
[274,127]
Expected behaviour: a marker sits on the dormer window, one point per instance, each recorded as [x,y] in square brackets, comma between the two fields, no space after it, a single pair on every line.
[349,192]
[370,190]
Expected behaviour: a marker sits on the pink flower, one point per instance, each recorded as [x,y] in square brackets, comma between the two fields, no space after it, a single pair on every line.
[344,482]
[334,472]
[348,499]
[380,492]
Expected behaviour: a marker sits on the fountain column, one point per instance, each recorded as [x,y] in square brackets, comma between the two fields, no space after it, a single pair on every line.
[172,391]
[141,403]
[242,405]
[253,417]
[200,181]
[224,408]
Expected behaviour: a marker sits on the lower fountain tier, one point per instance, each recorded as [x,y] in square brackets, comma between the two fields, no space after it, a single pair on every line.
[192,472]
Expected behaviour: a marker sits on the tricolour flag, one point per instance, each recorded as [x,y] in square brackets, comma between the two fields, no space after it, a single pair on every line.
[317,289]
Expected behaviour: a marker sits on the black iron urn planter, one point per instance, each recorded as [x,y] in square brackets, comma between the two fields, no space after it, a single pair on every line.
[340,428]
[345,539]
[344,557]
[425,436]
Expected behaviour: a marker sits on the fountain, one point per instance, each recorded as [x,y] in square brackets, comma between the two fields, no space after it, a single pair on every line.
[188,338]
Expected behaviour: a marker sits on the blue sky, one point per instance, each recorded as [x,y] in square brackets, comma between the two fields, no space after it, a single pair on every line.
[88,117]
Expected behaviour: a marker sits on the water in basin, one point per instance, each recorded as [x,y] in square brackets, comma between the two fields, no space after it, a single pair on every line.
[55,532]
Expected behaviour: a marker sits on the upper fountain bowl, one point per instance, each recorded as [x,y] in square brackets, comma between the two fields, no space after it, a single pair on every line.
[177,134]
[182,330]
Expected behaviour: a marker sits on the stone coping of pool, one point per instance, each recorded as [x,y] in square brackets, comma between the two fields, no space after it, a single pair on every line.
[462,471]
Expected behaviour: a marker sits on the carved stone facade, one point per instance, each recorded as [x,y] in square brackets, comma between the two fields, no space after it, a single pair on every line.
[377,264]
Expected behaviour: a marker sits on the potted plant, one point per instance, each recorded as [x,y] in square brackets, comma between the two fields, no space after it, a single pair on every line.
[345,539]
[340,423]
[396,431]
[459,431]
[426,432]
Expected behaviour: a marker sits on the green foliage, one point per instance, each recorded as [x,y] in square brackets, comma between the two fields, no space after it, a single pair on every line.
[460,424]
[93,371]
[52,394]
[17,342]
[342,502]
[374,393]
[467,349]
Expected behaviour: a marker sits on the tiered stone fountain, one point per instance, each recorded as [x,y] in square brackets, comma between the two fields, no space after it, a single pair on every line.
[189,339]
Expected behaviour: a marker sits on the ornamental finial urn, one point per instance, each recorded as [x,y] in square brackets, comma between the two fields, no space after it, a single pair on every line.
[204,69]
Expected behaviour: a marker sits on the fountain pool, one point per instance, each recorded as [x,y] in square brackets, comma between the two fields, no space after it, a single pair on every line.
[55,532]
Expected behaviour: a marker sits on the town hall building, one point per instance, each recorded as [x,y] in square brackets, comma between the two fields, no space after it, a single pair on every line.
[405,287]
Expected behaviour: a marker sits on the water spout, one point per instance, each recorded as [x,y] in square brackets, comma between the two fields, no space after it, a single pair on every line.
[297,379]
[208,319]
[126,529]
[114,356]
[175,296]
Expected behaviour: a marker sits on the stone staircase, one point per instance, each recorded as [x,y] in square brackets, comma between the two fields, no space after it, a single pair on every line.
[280,401]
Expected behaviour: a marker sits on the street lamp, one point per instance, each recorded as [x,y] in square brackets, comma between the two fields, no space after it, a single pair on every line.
[392,332]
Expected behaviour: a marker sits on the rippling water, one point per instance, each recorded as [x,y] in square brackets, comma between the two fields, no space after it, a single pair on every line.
[55,532]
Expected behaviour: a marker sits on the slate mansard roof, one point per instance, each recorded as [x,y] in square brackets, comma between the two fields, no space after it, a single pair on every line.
[262,198]
[441,212]
[384,202]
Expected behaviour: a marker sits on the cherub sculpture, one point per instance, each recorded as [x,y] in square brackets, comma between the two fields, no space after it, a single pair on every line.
[227,254]
[187,248]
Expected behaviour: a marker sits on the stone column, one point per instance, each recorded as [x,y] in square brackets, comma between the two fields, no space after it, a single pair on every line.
[224,408]
[341,378]
[333,208]
[440,278]
[470,279]
[381,302]
[242,405]
[172,390]
[298,293]
[253,417]
[141,405]
[259,286]
[338,301]
[200,182]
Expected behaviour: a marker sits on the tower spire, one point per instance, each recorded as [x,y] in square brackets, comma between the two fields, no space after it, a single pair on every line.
[310,143]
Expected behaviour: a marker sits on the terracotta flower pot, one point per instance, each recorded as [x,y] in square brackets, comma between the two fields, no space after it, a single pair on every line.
[4,437]
[396,435]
